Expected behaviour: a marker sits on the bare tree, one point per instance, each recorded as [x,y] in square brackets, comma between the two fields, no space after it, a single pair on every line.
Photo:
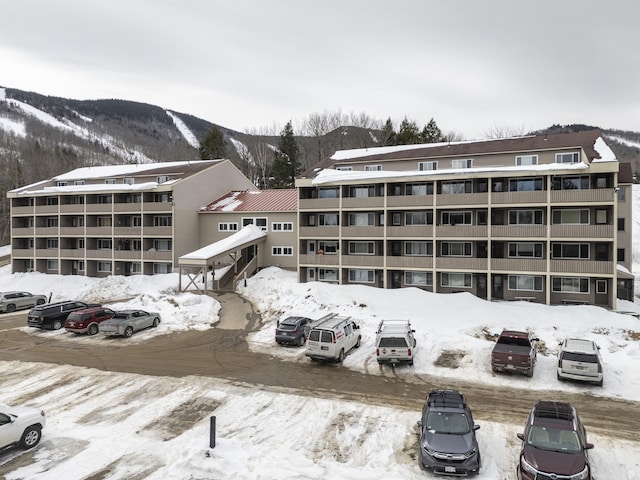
[504,131]
[260,152]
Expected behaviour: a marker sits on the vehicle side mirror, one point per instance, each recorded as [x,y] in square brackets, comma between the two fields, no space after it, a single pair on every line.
[535,339]
[420,423]
[413,331]
[476,426]
[520,436]
[588,446]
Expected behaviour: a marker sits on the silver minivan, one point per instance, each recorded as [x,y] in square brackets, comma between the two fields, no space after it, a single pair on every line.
[579,359]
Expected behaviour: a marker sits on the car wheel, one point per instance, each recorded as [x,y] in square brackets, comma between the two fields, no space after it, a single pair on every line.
[30,437]
[358,342]
[11,308]
[600,383]
[56,325]
[560,379]
[301,341]
[341,356]
[156,322]
[128,332]
[40,301]
[414,343]
[530,373]
[93,329]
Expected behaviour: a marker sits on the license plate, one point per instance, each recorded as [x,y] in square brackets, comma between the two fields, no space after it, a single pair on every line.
[324,348]
[450,469]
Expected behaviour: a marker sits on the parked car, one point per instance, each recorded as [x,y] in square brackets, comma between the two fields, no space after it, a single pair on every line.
[12,301]
[514,351]
[332,338]
[395,342]
[53,315]
[554,444]
[87,320]
[20,426]
[448,444]
[579,359]
[295,330]
[126,322]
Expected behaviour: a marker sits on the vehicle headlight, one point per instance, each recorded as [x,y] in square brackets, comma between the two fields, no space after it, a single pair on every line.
[470,453]
[583,475]
[526,466]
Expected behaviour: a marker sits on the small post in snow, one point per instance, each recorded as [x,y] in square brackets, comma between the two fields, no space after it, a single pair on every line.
[212,432]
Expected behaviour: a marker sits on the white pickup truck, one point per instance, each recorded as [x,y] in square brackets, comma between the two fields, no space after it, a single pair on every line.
[20,426]
[395,342]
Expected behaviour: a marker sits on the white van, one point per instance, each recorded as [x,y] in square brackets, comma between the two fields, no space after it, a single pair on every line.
[395,342]
[331,339]
[579,359]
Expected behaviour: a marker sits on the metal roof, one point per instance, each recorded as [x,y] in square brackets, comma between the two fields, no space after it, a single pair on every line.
[276,200]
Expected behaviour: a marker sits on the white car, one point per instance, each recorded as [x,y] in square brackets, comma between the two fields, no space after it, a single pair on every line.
[21,426]
[579,359]
[332,338]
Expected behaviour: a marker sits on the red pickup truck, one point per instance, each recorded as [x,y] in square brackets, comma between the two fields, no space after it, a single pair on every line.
[514,351]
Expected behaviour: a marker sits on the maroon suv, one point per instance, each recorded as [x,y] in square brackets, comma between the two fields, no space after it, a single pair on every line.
[87,320]
[554,444]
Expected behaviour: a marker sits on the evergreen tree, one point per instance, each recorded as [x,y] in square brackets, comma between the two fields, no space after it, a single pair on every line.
[286,162]
[212,146]
[388,134]
[408,133]
[431,133]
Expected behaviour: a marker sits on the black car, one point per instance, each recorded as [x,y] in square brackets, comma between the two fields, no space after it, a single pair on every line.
[293,330]
[53,315]
[448,442]
[554,444]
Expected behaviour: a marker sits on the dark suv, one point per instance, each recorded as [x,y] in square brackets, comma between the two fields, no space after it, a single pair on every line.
[554,444]
[293,330]
[53,315]
[448,442]
[87,320]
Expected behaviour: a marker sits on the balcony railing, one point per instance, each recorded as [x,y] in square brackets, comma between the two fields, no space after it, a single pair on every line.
[458,231]
[582,266]
[512,265]
[582,231]
[72,252]
[22,252]
[22,210]
[409,262]
[366,202]
[73,231]
[157,206]
[599,195]
[128,231]
[410,201]
[158,255]
[320,232]
[504,198]
[318,203]
[47,231]
[127,207]
[102,253]
[461,263]
[368,231]
[519,231]
[46,252]
[22,231]
[444,199]
[363,261]
[411,231]
[72,208]
[99,231]
[310,259]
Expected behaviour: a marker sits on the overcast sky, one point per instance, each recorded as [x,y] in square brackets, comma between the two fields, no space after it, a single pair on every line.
[471,65]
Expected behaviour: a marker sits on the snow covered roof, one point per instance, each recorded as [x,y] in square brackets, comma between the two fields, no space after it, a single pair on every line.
[276,200]
[246,235]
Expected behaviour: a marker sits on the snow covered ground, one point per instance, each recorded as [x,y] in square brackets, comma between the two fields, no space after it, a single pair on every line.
[125,426]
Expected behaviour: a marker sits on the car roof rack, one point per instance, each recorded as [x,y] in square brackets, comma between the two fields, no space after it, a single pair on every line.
[446,398]
[549,409]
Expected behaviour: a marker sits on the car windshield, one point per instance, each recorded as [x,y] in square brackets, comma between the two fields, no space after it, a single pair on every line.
[580,357]
[286,326]
[548,438]
[448,422]
[121,315]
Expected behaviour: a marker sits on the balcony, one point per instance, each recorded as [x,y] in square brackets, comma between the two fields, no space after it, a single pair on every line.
[165,255]
[129,207]
[317,203]
[410,201]
[519,231]
[46,252]
[366,202]
[72,253]
[72,231]
[47,231]
[320,232]
[411,231]
[99,254]
[158,231]
[515,198]
[40,209]
[99,231]
[597,195]
[461,263]
[72,208]
[22,252]
[128,231]
[22,210]
[472,199]
[157,207]
[513,265]
[99,207]
[366,231]
[310,259]
[363,261]
[409,262]
[22,232]
[559,267]
[582,231]
[461,231]
[127,254]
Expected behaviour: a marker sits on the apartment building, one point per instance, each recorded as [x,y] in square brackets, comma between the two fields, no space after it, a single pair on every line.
[543,218]
[116,220]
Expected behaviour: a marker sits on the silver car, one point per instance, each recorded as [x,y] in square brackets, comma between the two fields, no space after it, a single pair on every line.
[12,301]
[126,322]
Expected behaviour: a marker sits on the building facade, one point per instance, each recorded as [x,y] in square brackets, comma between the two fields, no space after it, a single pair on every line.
[544,218]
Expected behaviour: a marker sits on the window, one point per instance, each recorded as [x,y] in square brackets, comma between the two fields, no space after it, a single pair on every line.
[328,274]
[361,248]
[602,252]
[570,284]
[621,224]
[79,182]
[104,244]
[525,249]
[52,222]
[601,286]
[569,157]
[282,251]
[52,265]
[621,255]
[621,193]
[462,163]
[76,200]
[110,181]
[418,218]
[523,160]
[396,219]
[372,168]
[159,268]
[532,283]
[432,165]
[103,199]
[162,178]
[136,244]
[456,218]
[162,197]
[328,219]
[418,249]
[570,250]
[573,182]
[260,222]
[455,249]
[329,248]
[62,184]
[136,267]
[525,217]
[498,185]
[162,221]
[419,189]
[421,279]
[570,216]
[129,180]
[52,243]
[282,227]
[104,267]
[344,169]
[228,226]
[525,184]
[461,280]
[362,276]
[361,191]
[104,221]
[79,265]
[602,217]
[331,192]
[80,243]
[162,244]
[361,219]
[456,187]
[52,201]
